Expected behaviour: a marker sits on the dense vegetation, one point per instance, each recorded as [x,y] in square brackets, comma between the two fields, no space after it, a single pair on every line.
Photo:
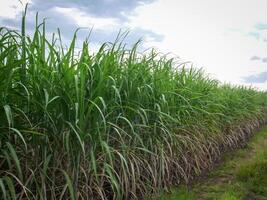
[113,124]
[242,174]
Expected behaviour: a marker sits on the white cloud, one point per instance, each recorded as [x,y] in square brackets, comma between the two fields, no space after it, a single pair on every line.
[219,35]
[10,8]
[85,20]
[261,86]
[213,34]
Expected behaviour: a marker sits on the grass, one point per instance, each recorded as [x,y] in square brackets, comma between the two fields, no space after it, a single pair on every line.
[114,124]
[182,194]
[242,175]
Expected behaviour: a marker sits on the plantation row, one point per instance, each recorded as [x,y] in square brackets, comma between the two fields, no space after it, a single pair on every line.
[115,124]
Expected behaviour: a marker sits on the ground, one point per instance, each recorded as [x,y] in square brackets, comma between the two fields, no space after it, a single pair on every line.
[241,175]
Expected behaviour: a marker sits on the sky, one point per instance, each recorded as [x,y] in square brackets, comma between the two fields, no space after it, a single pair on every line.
[227,38]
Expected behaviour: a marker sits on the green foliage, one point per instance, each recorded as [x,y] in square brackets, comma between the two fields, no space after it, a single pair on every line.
[181,194]
[241,175]
[228,196]
[254,176]
[119,124]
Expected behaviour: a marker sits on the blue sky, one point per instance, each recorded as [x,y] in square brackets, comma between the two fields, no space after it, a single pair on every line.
[228,38]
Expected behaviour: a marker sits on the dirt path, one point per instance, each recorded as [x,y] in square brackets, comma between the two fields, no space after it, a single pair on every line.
[240,175]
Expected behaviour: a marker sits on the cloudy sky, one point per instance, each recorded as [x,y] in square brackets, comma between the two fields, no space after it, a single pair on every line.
[228,38]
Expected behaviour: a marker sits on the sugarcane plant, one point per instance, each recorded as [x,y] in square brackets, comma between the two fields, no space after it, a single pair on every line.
[113,124]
